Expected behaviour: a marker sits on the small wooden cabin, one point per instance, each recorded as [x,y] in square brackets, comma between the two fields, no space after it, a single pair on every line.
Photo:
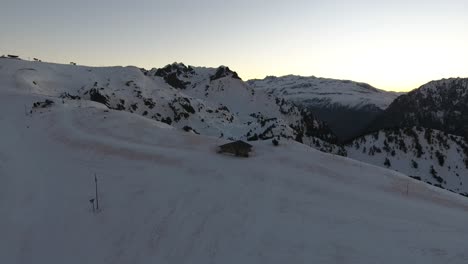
[238,148]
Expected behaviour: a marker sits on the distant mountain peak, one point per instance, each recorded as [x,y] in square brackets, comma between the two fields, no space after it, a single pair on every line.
[224,71]
[173,73]
[180,76]
[315,90]
[177,68]
[347,106]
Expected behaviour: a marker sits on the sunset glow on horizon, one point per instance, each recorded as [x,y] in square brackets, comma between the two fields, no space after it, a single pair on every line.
[396,45]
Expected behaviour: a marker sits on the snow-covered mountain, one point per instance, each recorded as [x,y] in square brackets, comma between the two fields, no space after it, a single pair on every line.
[436,151]
[166,196]
[441,105]
[347,106]
[208,101]
[323,92]
[429,155]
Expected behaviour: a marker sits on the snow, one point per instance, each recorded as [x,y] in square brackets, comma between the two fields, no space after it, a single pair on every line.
[451,147]
[167,197]
[434,88]
[220,108]
[322,92]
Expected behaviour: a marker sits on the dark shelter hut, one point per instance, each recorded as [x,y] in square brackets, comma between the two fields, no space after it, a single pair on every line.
[238,148]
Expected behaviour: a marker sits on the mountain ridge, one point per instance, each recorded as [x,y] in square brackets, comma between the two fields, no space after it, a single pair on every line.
[347,106]
[209,101]
[440,104]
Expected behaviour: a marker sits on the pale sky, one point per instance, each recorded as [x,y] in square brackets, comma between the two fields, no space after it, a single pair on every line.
[392,45]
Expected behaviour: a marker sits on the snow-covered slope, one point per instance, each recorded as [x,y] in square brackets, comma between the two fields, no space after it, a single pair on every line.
[347,106]
[323,92]
[441,105]
[437,152]
[166,196]
[429,155]
[217,103]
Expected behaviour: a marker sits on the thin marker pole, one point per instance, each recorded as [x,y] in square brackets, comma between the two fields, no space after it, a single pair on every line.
[97,197]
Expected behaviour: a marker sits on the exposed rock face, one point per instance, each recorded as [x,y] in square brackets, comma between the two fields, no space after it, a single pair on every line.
[223,71]
[96,96]
[172,73]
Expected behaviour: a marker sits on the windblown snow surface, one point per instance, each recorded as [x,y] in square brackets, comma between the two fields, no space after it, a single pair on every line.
[166,196]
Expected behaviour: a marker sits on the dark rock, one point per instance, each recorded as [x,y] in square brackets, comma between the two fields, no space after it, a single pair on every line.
[96,96]
[222,72]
